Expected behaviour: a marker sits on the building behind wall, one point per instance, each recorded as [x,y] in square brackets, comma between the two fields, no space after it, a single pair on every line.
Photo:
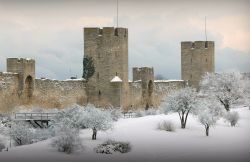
[197,58]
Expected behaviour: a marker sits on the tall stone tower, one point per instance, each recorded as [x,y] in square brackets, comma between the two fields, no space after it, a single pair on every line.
[146,76]
[109,49]
[197,58]
[26,75]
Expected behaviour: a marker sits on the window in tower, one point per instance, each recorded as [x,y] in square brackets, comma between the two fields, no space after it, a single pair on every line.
[192,46]
[206,44]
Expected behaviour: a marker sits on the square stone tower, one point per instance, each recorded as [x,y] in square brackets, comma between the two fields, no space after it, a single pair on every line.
[108,48]
[26,75]
[146,76]
[197,58]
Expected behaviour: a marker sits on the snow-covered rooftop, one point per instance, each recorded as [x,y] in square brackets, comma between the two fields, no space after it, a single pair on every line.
[116,79]
[79,79]
[168,80]
[137,81]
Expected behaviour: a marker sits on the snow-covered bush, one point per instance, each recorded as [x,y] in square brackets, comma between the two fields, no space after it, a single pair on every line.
[140,113]
[67,140]
[21,133]
[183,101]
[227,88]
[42,134]
[111,146]
[151,111]
[115,114]
[246,91]
[71,117]
[167,126]
[232,118]
[96,119]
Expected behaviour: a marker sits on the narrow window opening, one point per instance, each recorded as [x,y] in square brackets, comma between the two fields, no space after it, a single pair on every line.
[116,32]
[100,32]
[115,73]
[206,59]
[99,93]
[206,44]
[191,76]
[192,46]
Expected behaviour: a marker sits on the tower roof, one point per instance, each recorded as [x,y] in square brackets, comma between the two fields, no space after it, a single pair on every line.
[116,79]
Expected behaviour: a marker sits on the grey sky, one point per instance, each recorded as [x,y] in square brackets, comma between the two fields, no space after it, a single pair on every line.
[51,32]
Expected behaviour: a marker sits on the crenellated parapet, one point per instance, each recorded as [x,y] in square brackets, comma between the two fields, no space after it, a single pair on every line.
[197,58]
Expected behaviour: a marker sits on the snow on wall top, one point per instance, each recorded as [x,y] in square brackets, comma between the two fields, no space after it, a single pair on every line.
[1,73]
[156,81]
[116,79]
[79,79]
[136,81]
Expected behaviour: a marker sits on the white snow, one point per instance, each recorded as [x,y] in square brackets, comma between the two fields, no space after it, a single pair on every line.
[79,79]
[137,81]
[168,81]
[116,79]
[149,144]
[9,73]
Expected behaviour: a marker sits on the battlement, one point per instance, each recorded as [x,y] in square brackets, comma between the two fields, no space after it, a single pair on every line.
[20,60]
[149,70]
[106,31]
[8,74]
[197,44]
[142,72]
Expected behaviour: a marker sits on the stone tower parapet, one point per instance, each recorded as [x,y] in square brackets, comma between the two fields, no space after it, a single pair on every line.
[25,68]
[109,49]
[146,76]
[197,58]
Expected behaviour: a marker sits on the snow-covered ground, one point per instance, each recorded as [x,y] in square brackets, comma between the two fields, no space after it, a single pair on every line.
[149,144]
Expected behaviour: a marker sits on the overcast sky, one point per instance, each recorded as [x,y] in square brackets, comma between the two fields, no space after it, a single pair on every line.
[51,32]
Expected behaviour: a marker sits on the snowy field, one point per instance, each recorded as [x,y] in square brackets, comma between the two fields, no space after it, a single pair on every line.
[149,144]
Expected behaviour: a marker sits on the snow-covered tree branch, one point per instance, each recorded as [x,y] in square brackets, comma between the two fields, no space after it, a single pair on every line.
[209,112]
[97,119]
[183,101]
[227,88]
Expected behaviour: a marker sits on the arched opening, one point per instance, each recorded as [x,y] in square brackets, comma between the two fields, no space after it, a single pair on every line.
[29,87]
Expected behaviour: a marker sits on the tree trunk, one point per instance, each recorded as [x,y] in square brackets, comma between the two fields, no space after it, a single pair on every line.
[227,107]
[207,130]
[183,124]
